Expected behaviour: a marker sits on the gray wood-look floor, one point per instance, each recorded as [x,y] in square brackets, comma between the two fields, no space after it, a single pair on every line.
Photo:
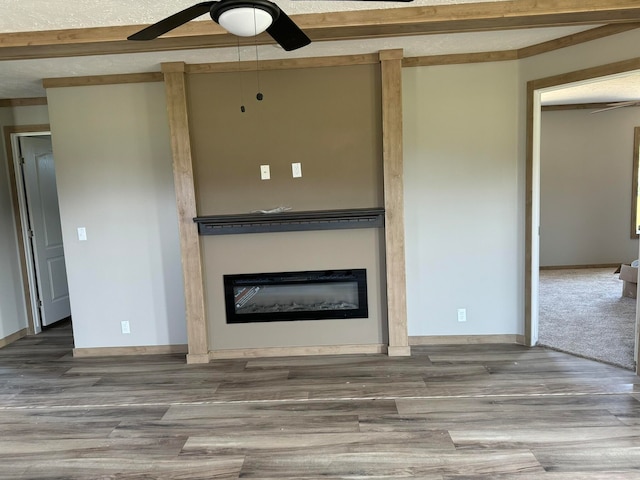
[446,412]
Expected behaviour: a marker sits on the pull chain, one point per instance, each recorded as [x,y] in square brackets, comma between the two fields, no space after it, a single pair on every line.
[259,95]
[242,109]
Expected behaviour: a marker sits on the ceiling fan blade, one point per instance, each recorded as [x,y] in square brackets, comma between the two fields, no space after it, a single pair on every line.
[629,103]
[376,0]
[174,21]
[613,106]
[284,31]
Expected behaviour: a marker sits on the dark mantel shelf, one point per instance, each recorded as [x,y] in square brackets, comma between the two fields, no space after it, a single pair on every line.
[290,221]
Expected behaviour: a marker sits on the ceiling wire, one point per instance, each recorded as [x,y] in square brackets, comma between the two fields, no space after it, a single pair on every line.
[242,109]
[259,95]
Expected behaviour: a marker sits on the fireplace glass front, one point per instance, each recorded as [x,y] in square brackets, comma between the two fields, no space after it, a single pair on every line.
[287,296]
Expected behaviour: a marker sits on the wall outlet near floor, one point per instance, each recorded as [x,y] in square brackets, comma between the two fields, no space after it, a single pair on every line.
[462,314]
[265,172]
[125,326]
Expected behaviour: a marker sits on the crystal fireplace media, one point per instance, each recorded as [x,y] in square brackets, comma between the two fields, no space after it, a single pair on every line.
[287,296]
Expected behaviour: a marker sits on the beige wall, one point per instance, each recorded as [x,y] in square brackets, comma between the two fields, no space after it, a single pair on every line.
[465,177]
[461,191]
[585,187]
[329,119]
[13,314]
[114,174]
[607,50]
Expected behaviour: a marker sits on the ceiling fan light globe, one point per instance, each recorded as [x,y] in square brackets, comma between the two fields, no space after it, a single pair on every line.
[245,21]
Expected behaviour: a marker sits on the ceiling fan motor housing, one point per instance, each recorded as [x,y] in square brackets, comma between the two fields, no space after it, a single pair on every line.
[244,18]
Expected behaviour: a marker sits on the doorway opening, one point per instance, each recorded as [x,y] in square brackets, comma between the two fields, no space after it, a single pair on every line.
[535,90]
[37,217]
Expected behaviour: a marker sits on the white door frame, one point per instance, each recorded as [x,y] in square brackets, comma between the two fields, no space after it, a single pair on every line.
[31,297]
[535,88]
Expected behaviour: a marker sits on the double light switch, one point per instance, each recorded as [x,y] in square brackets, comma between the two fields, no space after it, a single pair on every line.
[296,171]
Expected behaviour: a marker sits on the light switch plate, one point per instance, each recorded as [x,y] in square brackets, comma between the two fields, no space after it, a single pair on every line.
[296,170]
[265,172]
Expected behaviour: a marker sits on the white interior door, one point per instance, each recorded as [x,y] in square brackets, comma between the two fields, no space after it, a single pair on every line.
[44,222]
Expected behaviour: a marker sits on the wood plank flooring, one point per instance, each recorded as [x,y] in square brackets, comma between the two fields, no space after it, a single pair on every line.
[446,412]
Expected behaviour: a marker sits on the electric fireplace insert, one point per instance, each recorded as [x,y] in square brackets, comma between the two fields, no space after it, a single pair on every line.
[289,296]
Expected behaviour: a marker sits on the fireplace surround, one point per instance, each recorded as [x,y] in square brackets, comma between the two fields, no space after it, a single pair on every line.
[205,261]
[290,296]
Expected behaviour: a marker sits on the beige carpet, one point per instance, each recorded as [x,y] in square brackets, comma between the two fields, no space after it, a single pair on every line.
[582,311]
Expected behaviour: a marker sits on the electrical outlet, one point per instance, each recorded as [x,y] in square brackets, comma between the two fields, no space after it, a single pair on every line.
[296,170]
[265,172]
[125,326]
[82,234]
[462,314]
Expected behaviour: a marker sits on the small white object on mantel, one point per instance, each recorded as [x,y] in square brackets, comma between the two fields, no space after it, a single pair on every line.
[273,210]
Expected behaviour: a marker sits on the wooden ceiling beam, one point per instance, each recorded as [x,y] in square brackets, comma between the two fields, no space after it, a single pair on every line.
[352,25]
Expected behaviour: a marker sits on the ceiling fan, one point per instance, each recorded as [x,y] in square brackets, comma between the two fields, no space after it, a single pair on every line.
[245,18]
[613,106]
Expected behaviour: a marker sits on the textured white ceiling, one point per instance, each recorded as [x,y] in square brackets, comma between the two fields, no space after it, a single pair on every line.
[32,15]
[23,78]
